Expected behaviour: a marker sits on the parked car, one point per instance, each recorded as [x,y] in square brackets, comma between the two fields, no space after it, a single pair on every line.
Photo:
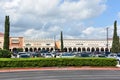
[22,55]
[114,55]
[99,55]
[83,54]
[47,55]
[34,54]
[65,55]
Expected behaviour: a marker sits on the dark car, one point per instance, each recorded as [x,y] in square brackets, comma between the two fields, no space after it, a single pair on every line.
[24,56]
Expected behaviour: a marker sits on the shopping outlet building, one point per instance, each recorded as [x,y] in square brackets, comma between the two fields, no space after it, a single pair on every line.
[77,45]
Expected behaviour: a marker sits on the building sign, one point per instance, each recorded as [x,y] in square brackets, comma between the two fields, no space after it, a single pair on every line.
[28,44]
[15,40]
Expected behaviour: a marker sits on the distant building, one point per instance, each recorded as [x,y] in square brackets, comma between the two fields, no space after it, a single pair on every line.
[38,44]
[16,42]
[78,45]
[1,40]
[87,45]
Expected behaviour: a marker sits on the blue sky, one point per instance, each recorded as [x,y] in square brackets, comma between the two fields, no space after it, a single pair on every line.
[44,19]
[110,14]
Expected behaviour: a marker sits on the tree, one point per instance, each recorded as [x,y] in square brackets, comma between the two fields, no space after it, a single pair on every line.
[118,44]
[61,41]
[115,43]
[6,33]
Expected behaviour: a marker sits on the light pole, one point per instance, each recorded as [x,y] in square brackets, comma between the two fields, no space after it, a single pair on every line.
[54,42]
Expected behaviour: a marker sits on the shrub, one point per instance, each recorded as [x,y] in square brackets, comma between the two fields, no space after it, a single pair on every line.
[5,53]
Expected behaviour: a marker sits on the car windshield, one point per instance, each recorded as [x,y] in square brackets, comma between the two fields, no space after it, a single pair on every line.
[21,53]
[67,54]
[48,54]
[24,56]
[118,55]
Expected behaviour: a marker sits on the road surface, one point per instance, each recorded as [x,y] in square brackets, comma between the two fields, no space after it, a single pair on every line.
[62,75]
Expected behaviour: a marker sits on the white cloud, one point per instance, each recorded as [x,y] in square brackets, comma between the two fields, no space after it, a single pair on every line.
[10,8]
[47,9]
[92,32]
[37,7]
[29,16]
[82,9]
[89,30]
[118,14]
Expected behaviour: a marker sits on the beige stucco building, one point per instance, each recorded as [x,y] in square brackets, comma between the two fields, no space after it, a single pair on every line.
[69,44]
[50,44]
[87,44]
[1,40]
[38,44]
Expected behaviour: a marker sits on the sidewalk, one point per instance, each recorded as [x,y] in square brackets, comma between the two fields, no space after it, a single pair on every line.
[58,68]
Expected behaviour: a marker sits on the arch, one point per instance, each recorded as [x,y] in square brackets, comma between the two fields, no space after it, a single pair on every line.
[43,49]
[31,50]
[65,49]
[79,49]
[106,50]
[47,49]
[97,49]
[83,49]
[35,49]
[9,49]
[14,49]
[26,49]
[102,49]
[70,49]
[39,49]
[88,49]
[74,49]
[92,49]
[51,49]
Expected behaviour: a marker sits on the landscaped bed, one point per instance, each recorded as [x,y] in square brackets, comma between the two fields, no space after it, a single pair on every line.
[56,62]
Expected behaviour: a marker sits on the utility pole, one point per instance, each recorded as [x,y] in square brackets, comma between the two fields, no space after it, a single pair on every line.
[54,42]
[107,38]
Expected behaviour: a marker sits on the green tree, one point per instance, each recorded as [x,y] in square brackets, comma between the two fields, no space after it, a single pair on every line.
[6,33]
[115,42]
[62,41]
[118,44]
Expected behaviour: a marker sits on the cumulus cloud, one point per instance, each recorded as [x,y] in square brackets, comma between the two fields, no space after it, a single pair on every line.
[49,17]
[82,9]
[118,14]
[94,32]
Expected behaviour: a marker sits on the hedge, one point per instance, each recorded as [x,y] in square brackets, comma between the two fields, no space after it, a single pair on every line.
[55,62]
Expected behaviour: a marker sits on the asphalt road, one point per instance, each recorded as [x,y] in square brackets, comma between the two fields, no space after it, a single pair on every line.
[62,75]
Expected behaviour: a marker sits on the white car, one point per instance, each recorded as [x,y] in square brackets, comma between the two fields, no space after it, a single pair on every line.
[47,55]
[22,55]
[114,55]
[65,55]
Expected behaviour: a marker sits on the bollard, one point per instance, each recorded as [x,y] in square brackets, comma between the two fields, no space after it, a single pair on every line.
[118,63]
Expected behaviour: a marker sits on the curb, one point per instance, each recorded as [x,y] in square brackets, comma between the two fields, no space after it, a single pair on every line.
[58,68]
